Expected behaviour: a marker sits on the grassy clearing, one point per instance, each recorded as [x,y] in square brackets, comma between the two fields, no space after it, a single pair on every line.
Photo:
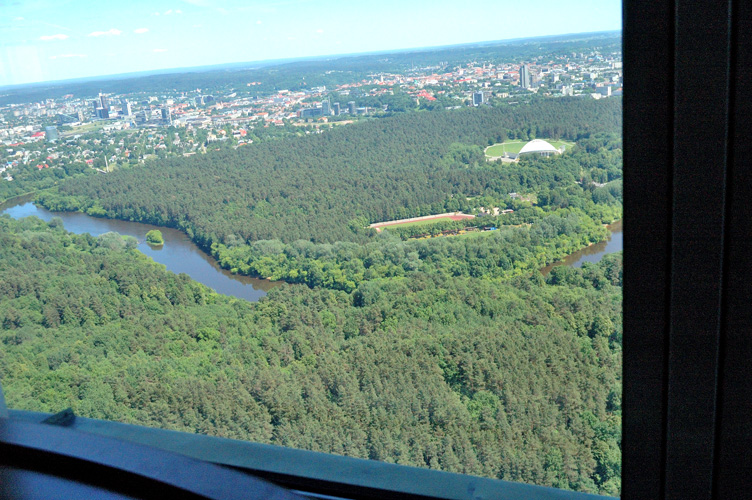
[508,147]
[84,129]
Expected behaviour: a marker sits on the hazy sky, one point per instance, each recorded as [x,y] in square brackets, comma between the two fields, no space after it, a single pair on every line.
[44,40]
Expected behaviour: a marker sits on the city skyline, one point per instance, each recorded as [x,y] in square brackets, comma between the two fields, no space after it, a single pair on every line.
[46,41]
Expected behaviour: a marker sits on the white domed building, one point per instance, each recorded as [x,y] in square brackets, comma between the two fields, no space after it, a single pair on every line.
[538,147]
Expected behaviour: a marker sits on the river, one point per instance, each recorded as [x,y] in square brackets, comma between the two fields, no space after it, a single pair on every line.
[179,254]
[593,253]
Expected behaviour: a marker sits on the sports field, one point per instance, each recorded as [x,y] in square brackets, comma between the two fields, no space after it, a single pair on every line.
[426,222]
[427,219]
[515,146]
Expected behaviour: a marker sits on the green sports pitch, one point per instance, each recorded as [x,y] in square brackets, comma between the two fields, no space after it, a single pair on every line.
[514,147]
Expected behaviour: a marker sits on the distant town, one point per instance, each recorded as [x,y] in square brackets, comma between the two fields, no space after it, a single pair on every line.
[107,131]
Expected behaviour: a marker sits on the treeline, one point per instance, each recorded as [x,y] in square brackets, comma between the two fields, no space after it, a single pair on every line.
[523,215]
[505,253]
[29,178]
[518,380]
[328,187]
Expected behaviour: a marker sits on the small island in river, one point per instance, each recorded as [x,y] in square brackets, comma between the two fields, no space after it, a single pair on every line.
[154,237]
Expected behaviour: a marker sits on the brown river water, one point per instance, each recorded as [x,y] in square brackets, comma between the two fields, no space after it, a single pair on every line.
[593,253]
[180,255]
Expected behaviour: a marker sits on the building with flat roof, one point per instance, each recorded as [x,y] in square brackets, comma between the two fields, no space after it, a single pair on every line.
[526,78]
[51,134]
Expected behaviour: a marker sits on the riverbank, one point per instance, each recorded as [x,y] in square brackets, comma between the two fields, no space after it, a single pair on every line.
[239,264]
[594,252]
[179,254]
[14,200]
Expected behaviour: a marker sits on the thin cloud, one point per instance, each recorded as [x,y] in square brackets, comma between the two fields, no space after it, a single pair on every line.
[19,18]
[59,36]
[109,32]
[198,3]
[67,56]
[210,5]
[53,25]
[319,31]
[159,50]
[141,30]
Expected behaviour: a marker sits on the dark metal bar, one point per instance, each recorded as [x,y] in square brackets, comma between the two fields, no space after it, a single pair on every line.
[315,472]
[648,158]
[700,128]
[120,466]
[733,465]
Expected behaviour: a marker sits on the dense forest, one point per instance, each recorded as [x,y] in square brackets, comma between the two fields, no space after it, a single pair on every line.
[29,178]
[453,353]
[500,254]
[518,380]
[297,208]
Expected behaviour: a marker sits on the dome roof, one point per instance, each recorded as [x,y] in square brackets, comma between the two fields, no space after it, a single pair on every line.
[538,146]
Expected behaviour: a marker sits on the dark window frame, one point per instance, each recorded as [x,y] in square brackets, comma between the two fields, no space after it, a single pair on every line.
[687,391]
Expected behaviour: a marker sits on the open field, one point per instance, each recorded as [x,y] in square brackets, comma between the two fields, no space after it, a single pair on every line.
[427,222]
[426,219]
[83,129]
[514,147]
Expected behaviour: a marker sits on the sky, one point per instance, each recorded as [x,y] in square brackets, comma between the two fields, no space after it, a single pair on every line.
[43,40]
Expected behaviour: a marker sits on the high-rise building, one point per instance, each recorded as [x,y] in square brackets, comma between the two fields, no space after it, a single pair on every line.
[50,133]
[525,77]
[103,102]
[478,98]
[335,106]
[167,115]
[126,108]
[310,112]
[325,108]
[351,107]
[63,118]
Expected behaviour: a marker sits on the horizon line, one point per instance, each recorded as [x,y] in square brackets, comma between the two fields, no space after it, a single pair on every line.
[285,60]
